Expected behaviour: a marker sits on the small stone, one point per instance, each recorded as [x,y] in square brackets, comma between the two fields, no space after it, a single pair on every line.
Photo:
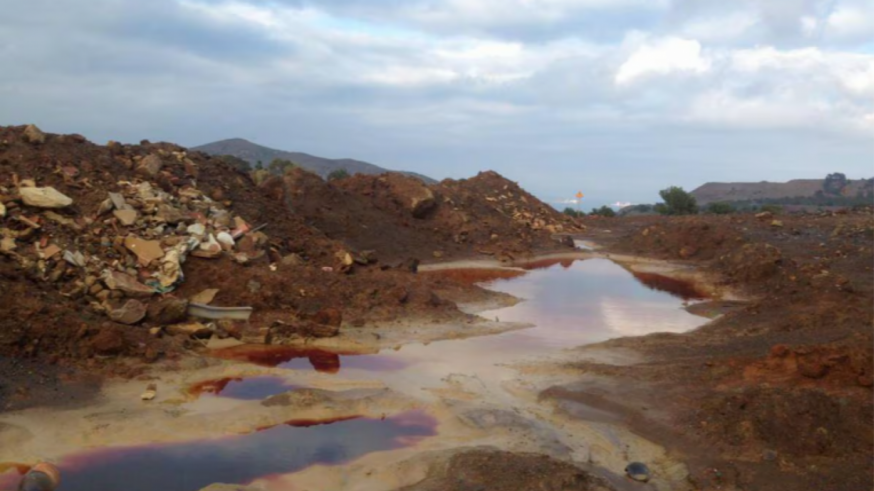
[34,135]
[168,311]
[438,254]
[638,471]
[47,197]
[7,244]
[156,332]
[127,312]
[150,165]
[206,296]
[2,210]
[777,224]
[127,284]
[345,258]
[292,260]
[126,217]
[150,393]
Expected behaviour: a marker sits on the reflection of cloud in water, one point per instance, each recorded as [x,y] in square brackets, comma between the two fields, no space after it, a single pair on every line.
[642,318]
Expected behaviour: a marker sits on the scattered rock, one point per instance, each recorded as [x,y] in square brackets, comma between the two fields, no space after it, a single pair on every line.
[2,210]
[126,217]
[47,197]
[638,471]
[293,260]
[206,296]
[146,250]
[126,284]
[34,135]
[168,311]
[150,165]
[128,311]
[150,393]
[777,224]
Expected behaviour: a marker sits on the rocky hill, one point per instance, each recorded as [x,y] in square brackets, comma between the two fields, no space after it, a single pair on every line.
[834,185]
[253,153]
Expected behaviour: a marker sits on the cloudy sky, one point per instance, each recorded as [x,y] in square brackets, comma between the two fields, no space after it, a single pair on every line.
[618,98]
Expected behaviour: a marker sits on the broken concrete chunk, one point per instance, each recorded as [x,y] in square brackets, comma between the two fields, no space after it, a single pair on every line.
[128,311]
[209,249]
[75,258]
[47,197]
[118,202]
[126,217]
[150,165]
[225,239]
[205,297]
[197,229]
[50,251]
[62,220]
[34,135]
[127,284]
[146,250]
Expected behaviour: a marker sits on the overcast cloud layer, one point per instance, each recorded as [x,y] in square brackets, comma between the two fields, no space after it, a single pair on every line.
[618,98]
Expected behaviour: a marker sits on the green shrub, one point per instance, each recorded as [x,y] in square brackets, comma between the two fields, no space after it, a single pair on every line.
[677,202]
[604,211]
[338,174]
[775,209]
[721,208]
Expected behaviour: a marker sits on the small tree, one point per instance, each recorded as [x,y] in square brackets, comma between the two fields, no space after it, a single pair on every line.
[573,213]
[259,165]
[338,174]
[677,202]
[604,211]
[720,208]
[280,166]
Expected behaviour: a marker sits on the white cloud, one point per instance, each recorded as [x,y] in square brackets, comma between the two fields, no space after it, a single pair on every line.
[851,21]
[662,57]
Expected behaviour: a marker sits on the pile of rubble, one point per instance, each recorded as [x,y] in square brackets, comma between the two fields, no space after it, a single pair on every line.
[131,250]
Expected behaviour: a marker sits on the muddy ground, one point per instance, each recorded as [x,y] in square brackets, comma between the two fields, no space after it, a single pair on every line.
[774,394]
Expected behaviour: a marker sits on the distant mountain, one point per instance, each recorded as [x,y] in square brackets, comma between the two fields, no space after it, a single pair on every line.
[835,187]
[252,153]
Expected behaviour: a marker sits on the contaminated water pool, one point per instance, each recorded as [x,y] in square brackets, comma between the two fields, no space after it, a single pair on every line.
[568,303]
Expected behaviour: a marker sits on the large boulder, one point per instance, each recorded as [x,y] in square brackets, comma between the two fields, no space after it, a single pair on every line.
[34,135]
[47,197]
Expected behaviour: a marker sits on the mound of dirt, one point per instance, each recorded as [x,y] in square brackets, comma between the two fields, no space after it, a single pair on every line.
[775,394]
[103,247]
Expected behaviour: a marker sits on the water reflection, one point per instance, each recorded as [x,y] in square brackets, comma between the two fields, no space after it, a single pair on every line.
[296,358]
[239,459]
[247,389]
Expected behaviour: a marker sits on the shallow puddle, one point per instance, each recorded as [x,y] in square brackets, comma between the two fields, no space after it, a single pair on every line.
[296,358]
[247,389]
[570,303]
[239,459]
